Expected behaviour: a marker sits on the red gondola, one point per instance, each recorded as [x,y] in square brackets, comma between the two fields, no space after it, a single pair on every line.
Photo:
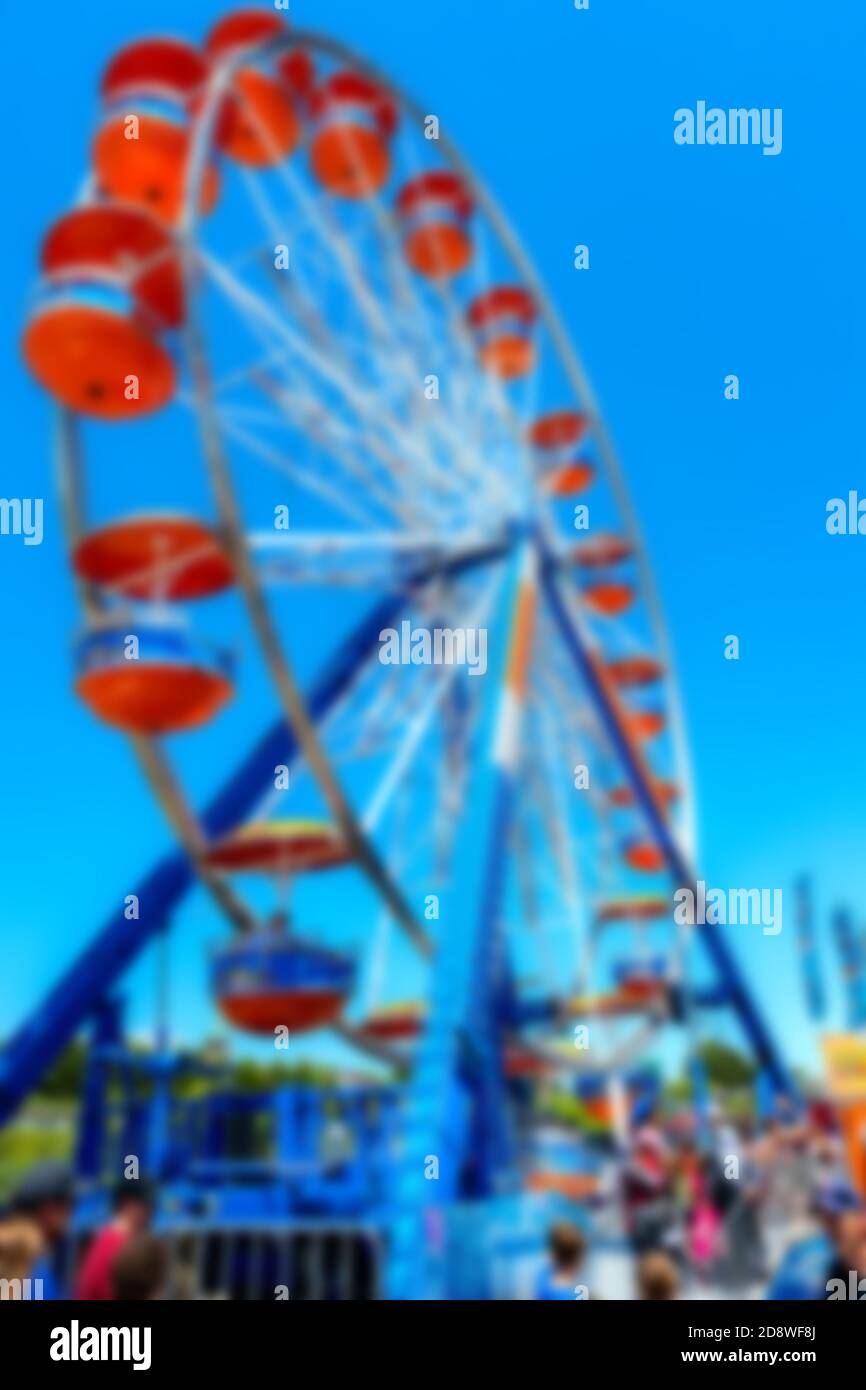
[142,149]
[574,1187]
[155,557]
[644,724]
[90,339]
[271,978]
[434,210]
[609,599]
[354,122]
[622,796]
[637,909]
[280,848]
[166,684]
[554,438]
[126,242]
[560,429]
[396,1022]
[267,979]
[643,855]
[260,123]
[523,1062]
[502,320]
[570,479]
[602,551]
[634,670]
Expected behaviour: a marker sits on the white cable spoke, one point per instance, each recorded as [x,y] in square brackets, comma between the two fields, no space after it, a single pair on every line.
[322,429]
[311,481]
[420,724]
[377,319]
[246,299]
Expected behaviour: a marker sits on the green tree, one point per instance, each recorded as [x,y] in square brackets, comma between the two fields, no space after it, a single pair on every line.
[726,1067]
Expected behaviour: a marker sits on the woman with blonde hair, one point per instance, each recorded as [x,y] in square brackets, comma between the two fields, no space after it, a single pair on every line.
[20,1248]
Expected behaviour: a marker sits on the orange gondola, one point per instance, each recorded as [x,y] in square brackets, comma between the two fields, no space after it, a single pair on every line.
[162,683]
[354,122]
[554,439]
[155,557]
[522,1062]
[634,670]
[559,429]
[645,856]
[602,551]
[570,479]
[127,242]
[667,792]
[574,1187]
[643,989]
[280,848]
[91,343]
[642,978]
[635,909]
[269,977]
[396,1022]
[502,321]
[434,210]
[644,724]
[609,599]
[263,1011]
[142,150]
[265,980]
[260,122]
[618,1003]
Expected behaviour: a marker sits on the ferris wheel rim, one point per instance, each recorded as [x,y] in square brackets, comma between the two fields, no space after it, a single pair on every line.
[566,353]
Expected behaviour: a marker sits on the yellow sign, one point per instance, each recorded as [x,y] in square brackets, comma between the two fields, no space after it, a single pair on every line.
[845,1060]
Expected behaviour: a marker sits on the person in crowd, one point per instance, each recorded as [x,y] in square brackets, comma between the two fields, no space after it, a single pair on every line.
[140,1270]
[805,1266]
[704,1220]
[561,1275]
[657,1278]
[131,1216]
[848,1264]
[743,1234]
[43,1202]
[20,1249]
[647,1191]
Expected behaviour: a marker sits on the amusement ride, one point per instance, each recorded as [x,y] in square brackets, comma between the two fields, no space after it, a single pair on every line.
[282,277]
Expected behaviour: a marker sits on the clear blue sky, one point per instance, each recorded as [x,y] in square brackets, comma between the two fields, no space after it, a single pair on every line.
[704,262]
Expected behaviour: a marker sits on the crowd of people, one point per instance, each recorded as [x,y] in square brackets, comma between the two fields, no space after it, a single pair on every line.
[734,1212]
[122,1260]
[743,1213]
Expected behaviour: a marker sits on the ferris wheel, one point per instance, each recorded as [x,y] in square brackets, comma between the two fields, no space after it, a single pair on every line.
[373,449]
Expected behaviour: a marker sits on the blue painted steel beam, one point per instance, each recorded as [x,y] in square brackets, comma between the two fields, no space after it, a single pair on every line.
[446,1121]
[725,963]
[106,1034]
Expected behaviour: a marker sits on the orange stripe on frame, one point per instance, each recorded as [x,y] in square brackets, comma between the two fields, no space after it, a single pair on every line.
[521,640]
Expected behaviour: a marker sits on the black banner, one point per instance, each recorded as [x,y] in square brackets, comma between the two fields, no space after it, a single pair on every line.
[245,1338]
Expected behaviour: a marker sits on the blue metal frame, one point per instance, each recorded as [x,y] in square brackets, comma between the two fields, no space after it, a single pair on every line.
[464,1128]
[457,1106]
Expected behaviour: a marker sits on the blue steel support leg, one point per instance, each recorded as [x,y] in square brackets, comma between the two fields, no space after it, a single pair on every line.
[439,1118]
[725,963]
[91,1130]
